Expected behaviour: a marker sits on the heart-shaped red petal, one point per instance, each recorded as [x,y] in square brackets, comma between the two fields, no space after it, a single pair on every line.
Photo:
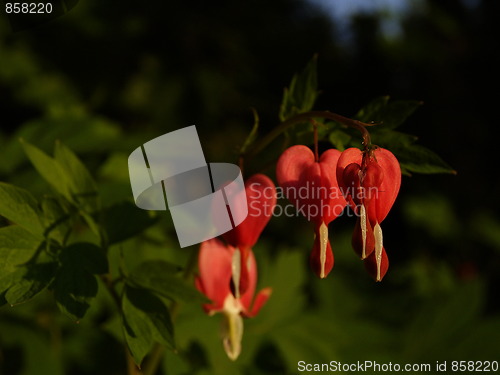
[261,200]
[381,190]
[377,272]
[214,263]
[311,186]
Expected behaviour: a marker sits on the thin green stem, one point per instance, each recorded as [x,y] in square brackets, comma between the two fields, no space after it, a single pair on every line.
[154,359]
[156,355]
[132,368]
[315,136]
[304,118]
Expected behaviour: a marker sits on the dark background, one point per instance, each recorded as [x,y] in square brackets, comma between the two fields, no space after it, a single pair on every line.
[129,71]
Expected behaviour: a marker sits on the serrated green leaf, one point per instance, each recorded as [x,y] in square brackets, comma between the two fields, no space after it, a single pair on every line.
[159,277]
[81,184]
[75,284]
[125,220]
[20,207]
[45,130]
[31,278]
[419,159]
[74,289]
[398,111]
[373,110]
[66,174]
[138,335]
[87,256]
[146,318]
[157,314]
[50,170]
[392,139]
[389,113]
[302,92]
[17,247]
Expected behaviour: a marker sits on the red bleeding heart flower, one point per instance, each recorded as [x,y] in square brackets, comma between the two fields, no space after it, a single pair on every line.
[370,182]
[216,263]
[311,185]
[261,200]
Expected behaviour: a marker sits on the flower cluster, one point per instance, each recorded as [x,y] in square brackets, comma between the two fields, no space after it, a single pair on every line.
[320,187]
[369,182]
[297,168]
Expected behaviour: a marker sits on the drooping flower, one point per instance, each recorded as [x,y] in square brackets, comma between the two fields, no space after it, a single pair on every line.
[370,182]
[261,200]
[216,262]
[311,185]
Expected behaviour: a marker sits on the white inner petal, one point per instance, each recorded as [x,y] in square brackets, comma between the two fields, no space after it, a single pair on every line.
[323,242]
[362,216]
[236,271]
[232,332]
[377,233]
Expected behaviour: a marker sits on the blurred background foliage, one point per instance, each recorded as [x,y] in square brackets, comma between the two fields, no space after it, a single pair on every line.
[109,76]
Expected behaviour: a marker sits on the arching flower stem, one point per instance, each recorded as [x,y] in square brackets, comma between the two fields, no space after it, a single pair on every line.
[305,118]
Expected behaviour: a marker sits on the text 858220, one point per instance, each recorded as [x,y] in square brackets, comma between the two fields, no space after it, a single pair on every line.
[28,8]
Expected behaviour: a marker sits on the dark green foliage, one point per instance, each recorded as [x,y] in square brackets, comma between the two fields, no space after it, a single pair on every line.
[83,90]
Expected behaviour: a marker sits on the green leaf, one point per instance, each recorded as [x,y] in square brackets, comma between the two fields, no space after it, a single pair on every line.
[390,114]
[302,92]
[50,170]
[419,159]
[74,289]
[57,220]
[398,111]
[391,139]
[45,130]
[125,220]
[20,207]
[75,284]
[146,318]
[137,334]
[87,256]
[92,223]
[31,278]
[159,277]
[17,247]
[82,186]
[371,111]
[66,174]
[413,158]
